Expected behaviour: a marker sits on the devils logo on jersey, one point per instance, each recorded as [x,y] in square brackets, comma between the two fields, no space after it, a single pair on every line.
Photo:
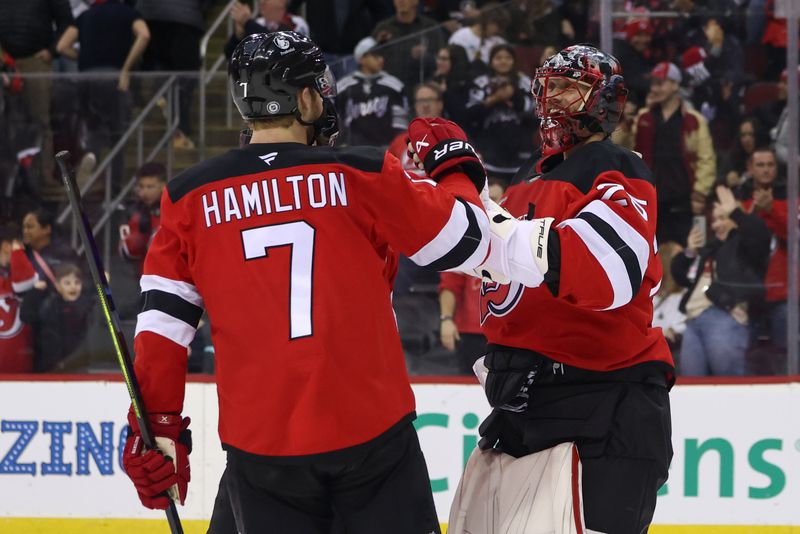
[10,323]
[499,299]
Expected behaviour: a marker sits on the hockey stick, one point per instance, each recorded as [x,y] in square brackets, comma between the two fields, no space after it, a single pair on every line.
[63,159]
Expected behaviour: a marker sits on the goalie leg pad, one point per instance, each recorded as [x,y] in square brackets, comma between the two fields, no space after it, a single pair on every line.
[538,493]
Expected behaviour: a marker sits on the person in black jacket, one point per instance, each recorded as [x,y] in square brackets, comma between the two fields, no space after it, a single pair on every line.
[452,75]
[44,252]
[500,114]
[59,318]
[371,104]
[724,277]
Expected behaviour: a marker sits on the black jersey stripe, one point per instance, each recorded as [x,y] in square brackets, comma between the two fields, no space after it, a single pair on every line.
[625,252]
[245,161]
[465,247]
[172,305]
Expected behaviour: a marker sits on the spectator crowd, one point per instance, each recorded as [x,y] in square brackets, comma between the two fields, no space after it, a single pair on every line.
[706,109]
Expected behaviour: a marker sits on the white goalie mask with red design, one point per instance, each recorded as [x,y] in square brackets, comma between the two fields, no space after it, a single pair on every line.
[579,92]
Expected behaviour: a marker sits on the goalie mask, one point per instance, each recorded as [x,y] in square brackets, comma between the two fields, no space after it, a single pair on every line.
[578,92]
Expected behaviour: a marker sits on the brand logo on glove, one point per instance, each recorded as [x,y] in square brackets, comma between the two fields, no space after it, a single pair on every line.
[164,419]
[539,245]
[422,144]
[452,147]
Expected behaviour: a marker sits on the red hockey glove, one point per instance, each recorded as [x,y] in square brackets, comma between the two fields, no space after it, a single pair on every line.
[159,473]
[692,61]
[439,147]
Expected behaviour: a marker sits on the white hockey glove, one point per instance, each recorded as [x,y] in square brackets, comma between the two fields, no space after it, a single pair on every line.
[518,250]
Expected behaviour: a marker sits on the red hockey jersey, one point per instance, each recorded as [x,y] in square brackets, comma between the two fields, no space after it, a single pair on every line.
[288,250]
[595,309]
[16,338]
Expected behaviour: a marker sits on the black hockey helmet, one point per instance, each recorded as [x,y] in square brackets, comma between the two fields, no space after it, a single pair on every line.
[597,104]
[267,69]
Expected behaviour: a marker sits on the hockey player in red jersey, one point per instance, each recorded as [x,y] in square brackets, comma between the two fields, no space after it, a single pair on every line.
[284,245]
[572,355]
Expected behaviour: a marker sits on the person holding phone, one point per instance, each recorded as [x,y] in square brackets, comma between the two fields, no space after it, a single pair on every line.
[724,277]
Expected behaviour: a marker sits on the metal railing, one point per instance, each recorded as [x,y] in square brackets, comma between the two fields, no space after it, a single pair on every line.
[207,74]
[168,91]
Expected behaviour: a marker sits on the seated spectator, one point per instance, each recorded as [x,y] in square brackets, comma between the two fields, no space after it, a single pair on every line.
[675,142]
[273,17]
[635,54]
[460,312]
[724,278]
[16,343]
[112,38]
[539,22]
[453,78]
[145,214]
[371,103]
[59,318]
[479,38]
[500,113]
[764,195]
[427,103]
[409,58]
[43,253]
[732,165]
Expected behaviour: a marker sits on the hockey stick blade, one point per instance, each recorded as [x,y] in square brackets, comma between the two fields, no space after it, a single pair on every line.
[64,161]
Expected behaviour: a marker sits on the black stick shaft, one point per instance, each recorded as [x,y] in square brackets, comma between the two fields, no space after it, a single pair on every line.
[63,159]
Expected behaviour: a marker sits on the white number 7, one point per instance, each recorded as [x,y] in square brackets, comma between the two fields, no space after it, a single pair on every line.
[300,236]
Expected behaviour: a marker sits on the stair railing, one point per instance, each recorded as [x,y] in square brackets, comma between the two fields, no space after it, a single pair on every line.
[208,73]
[169,91]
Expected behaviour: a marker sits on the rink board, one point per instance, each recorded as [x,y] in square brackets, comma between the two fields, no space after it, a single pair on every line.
[736,466]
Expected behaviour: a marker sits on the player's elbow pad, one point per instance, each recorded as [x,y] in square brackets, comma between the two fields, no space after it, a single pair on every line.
[518,248]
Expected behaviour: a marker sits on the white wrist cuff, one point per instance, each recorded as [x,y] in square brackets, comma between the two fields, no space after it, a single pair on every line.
[518,249]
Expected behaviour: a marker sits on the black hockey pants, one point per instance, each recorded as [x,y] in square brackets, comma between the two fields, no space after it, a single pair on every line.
[620,421]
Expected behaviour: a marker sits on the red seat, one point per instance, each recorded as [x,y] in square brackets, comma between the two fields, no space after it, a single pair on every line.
[759,93]
[527,58]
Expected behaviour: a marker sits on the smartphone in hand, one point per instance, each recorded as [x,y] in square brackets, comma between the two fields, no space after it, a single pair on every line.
[699,224]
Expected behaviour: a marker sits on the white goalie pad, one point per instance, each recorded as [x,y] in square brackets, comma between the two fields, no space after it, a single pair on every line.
[537,494]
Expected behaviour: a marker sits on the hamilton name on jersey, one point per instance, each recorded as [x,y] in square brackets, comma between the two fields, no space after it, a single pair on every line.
[269,195]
